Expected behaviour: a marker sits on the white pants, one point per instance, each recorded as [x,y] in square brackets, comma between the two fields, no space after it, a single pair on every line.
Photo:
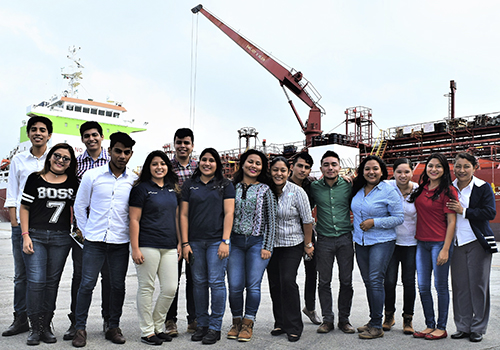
[161,262]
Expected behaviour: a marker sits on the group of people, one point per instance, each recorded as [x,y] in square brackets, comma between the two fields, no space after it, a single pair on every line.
[180,209]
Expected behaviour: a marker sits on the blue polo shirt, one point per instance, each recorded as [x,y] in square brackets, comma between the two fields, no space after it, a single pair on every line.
[157,224]
[206,207]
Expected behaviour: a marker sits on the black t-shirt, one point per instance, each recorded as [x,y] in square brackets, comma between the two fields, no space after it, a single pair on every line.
[206,207]
[49,203]
[157,224]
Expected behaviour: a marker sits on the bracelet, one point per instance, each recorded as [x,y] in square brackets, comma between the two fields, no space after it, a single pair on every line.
[185,244]
[25,233]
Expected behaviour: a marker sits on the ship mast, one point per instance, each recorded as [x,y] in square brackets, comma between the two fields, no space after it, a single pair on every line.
[75,72]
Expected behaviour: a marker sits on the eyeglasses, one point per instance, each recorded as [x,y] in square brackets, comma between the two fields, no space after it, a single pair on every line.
[65,159]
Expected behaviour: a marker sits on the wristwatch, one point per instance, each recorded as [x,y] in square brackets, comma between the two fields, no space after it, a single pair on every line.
[309,245]
[226,241]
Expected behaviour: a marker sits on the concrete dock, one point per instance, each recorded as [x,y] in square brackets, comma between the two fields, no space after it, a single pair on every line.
[395,339]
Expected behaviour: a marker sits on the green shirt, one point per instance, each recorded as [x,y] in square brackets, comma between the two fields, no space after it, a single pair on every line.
[333,207]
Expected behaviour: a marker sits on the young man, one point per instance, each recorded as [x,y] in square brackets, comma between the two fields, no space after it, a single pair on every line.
[184,166]
[94,156]
[301,168]
[332,196]
[39,130]
[106,233]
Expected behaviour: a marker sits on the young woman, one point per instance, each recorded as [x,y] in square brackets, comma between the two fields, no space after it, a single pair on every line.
[155,242]
[377,210]
[252,241]
[404,251]
[474,244]
[294,224]
[435,231]
[45,222]
[207,210]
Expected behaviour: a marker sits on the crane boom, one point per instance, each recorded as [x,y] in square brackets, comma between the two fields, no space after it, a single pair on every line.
[292,80]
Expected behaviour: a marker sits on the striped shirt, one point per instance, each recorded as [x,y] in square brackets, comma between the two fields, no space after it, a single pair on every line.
[85,162]
[293,206]
[184,172]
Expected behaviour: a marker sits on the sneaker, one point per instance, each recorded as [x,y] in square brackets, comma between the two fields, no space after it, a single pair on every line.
[164,336]
[372,333]
[325,327]
[152,340]
[211,337]
[171,328]
[192,327]
[313,316]
[199,334]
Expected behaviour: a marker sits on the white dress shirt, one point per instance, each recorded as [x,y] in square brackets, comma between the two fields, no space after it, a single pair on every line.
[105,197]
[22,165]
[463,230]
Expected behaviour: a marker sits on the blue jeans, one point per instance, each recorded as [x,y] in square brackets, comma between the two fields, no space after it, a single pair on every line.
[209,272]
[427,255]
[244,271]
[372,262]
[94,255]
[19,270]
[405,255]
[44,268]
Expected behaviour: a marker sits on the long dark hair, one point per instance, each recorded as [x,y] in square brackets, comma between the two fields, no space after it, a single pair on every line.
[263,176]
[444,183]
[274,161]
[71,170]
[360,181]
[170,179]
[218,176]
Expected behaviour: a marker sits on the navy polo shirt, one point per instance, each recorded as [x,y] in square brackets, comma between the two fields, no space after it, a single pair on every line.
[206,207]
[157,224]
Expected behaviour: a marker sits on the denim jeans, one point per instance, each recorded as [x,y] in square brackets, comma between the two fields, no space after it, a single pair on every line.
[405,255]
[209,273]
[19,270]
[372,262]
[245,270]
[326,250]
[427,255]
[44,268]
[94,256]
[282,276]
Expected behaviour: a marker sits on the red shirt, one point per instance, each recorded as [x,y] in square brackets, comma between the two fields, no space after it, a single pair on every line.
[431,215]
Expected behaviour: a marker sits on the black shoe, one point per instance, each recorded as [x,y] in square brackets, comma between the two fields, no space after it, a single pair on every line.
[199,334]
[46,334]
[459,335]
[211,337]
[19,325]
[293,337]
[152,340]
[36,322]
[277,331]
[164,336]
[475,337]
[70,333]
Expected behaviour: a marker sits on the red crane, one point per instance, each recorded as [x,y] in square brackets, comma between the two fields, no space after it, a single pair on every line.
[291,79]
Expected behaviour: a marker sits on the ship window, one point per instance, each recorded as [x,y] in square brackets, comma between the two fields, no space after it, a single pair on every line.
[116,115]
[93,111]
[101,112]
[65,125]
[107,130]
[86,109]
[78,126]
[69,107]
[109,113]
[78,108]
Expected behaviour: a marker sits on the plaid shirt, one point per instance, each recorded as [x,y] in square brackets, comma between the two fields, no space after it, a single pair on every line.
[184,172]
[85,162]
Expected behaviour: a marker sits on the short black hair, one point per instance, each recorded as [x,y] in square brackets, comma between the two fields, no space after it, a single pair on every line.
[184,132]
[90,125]
[39,119]
[303,155]
[330,154]
[121,137]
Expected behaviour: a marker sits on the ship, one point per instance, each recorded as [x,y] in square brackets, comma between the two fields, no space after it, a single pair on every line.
[68,112]
[477,134]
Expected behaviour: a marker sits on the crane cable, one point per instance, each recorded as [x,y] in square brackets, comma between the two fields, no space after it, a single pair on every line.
[194,58]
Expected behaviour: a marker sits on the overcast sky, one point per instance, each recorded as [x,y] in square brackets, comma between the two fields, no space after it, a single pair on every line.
[396,57]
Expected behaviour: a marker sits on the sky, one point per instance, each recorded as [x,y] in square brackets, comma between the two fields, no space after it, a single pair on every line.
[395,56]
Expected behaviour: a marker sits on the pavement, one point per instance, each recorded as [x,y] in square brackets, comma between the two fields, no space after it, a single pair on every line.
[395,339]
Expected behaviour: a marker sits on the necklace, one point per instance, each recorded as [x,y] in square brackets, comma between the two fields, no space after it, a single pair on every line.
[56,174]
